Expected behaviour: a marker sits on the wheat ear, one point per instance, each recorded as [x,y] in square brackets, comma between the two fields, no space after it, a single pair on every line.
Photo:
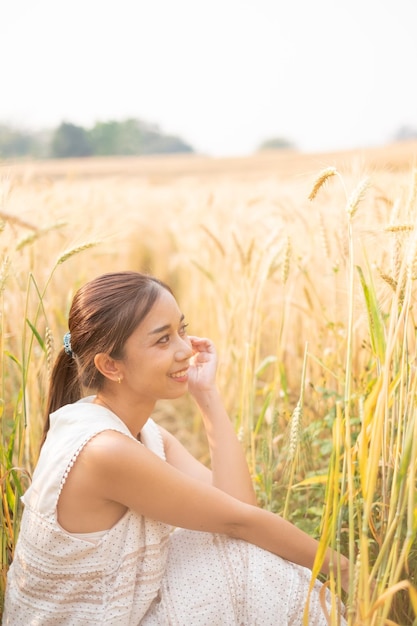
[321,179]
[66,255]
[357,196]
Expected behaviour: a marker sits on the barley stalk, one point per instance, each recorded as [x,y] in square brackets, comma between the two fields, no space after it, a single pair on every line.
[412,259]
[321,179]
[73,251]
[249,252]
[287,259]
[394,213]
[240,250]
[396,256]
[356,578]
[398,228]
[4,270]
[37,234]
[356,197]
[214,239]
[324,236]
[12,219]
[389,280]
[49,344]
[295,431]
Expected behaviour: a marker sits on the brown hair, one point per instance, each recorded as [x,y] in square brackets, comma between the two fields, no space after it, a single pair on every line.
[103,315]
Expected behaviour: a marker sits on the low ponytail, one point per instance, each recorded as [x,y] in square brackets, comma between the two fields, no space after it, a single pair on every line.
[64,386]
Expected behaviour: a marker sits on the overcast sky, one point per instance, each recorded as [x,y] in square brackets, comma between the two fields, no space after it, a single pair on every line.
[222,74]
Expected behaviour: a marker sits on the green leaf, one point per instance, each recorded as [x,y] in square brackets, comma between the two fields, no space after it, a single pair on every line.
[376,324]
[13,358]
[37,335]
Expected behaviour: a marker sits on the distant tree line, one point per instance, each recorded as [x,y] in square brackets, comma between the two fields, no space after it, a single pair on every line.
[128,137]
[276,143]
[112,138]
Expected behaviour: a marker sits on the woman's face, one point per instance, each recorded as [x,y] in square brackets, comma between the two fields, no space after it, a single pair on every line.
[156,355]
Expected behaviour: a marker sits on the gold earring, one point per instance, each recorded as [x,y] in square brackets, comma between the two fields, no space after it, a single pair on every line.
[119,380]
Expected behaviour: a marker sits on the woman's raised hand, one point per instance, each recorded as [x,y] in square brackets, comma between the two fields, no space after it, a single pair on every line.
[203,365]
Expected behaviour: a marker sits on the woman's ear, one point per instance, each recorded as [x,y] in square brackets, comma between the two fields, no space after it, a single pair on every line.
[107,366]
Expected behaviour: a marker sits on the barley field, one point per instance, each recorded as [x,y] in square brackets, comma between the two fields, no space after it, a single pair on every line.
[302,269]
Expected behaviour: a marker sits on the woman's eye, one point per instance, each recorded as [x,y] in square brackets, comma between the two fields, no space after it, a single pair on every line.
[183,329]
[182,332]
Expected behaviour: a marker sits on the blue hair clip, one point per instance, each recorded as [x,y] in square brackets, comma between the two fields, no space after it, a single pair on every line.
[67,344]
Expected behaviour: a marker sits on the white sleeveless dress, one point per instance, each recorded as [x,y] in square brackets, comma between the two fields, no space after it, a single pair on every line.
[139,571]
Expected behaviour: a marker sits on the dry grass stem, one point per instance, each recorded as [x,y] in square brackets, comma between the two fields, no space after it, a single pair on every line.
[242,254]
[321,179]
[357,196]
[214,239]
[395,211]
[17,221]
[73,251]
[287,259]
[26,241]
[4,271]
[396,256]
[389,280]
[398,228]
[324,236]
[412,259]
[49,344]
[295,429]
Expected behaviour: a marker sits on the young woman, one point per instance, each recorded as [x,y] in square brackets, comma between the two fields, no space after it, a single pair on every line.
[97,544]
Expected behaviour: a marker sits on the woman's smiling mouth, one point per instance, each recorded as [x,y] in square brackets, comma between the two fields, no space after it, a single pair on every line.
[181,375]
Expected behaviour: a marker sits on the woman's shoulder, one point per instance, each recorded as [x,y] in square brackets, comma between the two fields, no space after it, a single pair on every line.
[74,424]
[71,428]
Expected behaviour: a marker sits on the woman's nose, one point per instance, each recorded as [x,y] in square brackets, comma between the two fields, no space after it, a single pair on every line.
[184,349]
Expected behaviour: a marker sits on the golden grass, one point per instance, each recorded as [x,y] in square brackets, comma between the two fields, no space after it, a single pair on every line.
[252,261]
[263,271]
[254,264]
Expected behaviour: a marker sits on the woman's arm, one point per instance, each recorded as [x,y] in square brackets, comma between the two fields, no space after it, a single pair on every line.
[230,471]
[228,463]
[126,472]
